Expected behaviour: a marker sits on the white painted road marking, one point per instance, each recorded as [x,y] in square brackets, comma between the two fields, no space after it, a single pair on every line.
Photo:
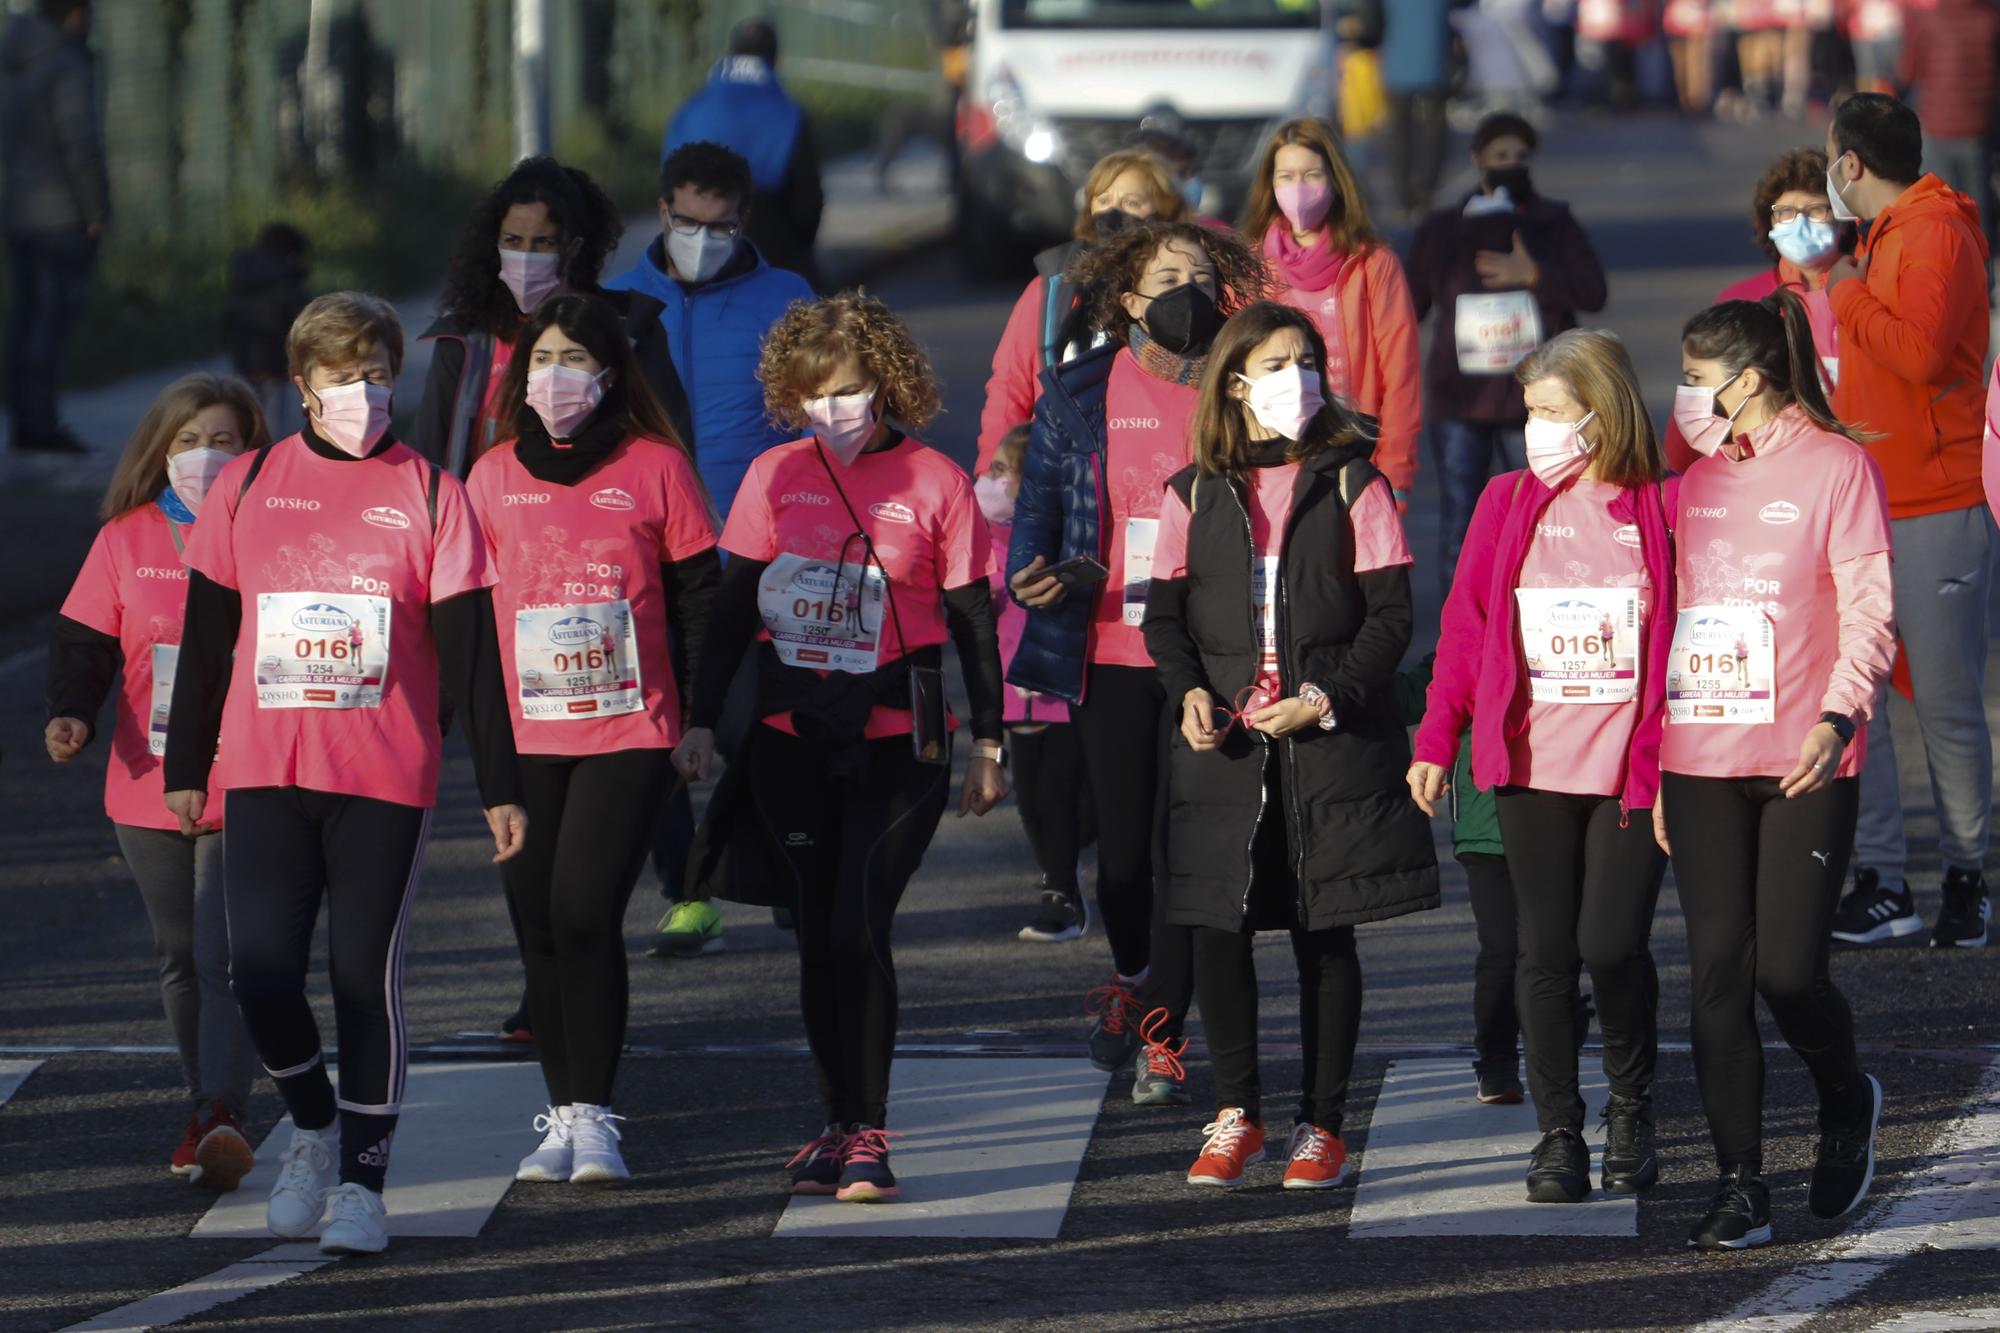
[1440,1164]
[1952,1204]
[275,1265]
[1943,1321]
[13,1073]
[465,1127]
[989,1148]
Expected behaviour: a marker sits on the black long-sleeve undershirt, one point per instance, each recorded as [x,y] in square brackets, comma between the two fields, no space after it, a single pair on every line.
[470,669]
[689,588]
[201,681]
[83,666]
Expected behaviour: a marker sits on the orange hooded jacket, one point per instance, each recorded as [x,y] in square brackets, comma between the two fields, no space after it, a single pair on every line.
[1913,337]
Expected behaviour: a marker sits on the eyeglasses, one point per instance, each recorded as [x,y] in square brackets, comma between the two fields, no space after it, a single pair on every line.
[686,226]
[1783,213]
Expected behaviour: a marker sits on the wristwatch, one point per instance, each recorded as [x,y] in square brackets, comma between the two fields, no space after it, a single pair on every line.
[997,753]
[1842,724]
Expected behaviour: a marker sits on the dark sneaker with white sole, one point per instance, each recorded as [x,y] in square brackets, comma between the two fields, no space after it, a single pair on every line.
[1559,1170]
[1160,1080]
[1064,916]
[1629,1163]
[1845,1167]
[1114,1036]
[817,1167]
[1874,913]
[865,1176]
[1498,1088]
[1962,919]
[1739,1218]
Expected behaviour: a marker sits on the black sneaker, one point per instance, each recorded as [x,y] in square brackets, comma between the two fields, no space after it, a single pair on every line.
[1738,1219]
[1114,1037]
[1962,919]
[864,1166]
[1559,1170]
[1872,913]
[1629,1163]
[1498,1087]
[1064,916]
[816,1169]
[1846,1164]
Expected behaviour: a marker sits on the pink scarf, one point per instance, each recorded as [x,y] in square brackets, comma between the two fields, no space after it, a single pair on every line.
[1304,268]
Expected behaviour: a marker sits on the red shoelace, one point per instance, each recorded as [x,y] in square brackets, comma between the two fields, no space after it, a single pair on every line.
[1110,1002]
[1163,1057]
[868,1145]
[831,1142]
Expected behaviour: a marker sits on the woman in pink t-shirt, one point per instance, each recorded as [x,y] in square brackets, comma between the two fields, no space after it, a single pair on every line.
[1550,651]
[853,554]
[335,578]
[123,619]
[1278,612]
[1784,637]
[600,540]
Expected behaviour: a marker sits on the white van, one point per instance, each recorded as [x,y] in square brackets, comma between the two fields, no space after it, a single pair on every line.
[1056,84]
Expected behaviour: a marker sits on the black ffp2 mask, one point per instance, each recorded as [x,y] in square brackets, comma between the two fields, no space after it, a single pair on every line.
[1184,321]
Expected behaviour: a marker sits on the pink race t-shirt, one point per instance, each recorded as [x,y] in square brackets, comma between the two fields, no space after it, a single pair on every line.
[133,587]
[1765,533]
[1145,442]
[1379,543]
[335,683]
[819,612]
[1581,748]
[579,597]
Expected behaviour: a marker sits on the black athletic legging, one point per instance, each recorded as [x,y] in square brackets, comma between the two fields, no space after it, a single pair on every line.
[288,848]
[1496,1022]
[1117,728]
[1759,876]
[1586,881]
[853,845]
[590,825]
[1054,800]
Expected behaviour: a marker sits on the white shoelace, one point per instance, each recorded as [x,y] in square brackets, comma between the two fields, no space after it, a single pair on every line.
[592,1122]
[1225,1133]
[349,1203]
[553,1128]
[1313,1147]
[303,1162]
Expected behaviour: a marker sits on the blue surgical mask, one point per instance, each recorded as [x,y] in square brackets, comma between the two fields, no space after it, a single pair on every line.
[1804,241]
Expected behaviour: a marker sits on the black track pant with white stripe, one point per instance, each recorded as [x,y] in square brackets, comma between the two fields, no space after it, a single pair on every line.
[288,849]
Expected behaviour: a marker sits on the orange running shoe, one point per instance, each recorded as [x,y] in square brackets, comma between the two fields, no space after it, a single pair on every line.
[1319,1160]
[1233,1144]
[223,1156]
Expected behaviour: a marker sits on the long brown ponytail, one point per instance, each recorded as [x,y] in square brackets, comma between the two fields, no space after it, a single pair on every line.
[1773,337]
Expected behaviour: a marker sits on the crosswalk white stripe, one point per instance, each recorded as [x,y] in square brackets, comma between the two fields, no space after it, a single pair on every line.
[1942,1321]
[464,1129]
[13,1073]
[988,1148]
[1952,1204]
[1440,1164]
[281,1263]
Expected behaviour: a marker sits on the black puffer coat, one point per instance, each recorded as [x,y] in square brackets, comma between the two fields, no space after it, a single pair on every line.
[1360,849]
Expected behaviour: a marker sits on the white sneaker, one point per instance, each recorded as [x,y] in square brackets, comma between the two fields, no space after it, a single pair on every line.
[595,1159]
[305,1173]
[357,1222]
[550,1163]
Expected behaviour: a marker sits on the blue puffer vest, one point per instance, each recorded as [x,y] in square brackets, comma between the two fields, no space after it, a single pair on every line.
[742,107]
[1058,516]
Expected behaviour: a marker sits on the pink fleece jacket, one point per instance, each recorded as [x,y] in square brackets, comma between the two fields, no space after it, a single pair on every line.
[1478,680]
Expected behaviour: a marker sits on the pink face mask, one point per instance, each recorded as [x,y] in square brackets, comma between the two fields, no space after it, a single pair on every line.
[1695,413]
[843,425]
[563,397]
[531,276]
[996,501]
[1305,203]
[353,417]
[1557,450]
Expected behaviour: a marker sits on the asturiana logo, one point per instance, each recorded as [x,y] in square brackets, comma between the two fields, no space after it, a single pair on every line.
[1712,632]
[382,516]
[817,580]
[322,618]
[613,498]
[1627,536]
[893,512]
[1779,511]
[575,632]
[1575,615]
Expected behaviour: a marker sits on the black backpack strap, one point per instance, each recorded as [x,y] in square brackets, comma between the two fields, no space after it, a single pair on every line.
[256,466]
[431,495]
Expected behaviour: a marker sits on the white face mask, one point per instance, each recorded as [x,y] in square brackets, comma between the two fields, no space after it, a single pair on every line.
[530,276]
[1285,400]
[1841,212]
[699,257]
[844,424]
[1557,450]
[191,472]
[1704,428]
[353,417]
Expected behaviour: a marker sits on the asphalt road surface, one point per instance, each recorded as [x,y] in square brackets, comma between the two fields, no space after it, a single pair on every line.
[1001,1109]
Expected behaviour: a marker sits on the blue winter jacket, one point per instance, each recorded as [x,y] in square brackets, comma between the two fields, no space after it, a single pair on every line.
[1416,45]
[1057,515]
[742,107]
[716,334]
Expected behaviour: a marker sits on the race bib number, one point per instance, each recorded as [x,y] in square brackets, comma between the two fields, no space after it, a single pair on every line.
[575,662]
[1723,668]
[321,650]
[1140,533]
[1495,330]
[166,656]
[1581,644]
[817,617]
[1264,594]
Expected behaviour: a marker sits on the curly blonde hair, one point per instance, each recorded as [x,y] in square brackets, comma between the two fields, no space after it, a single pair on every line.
[812,338]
